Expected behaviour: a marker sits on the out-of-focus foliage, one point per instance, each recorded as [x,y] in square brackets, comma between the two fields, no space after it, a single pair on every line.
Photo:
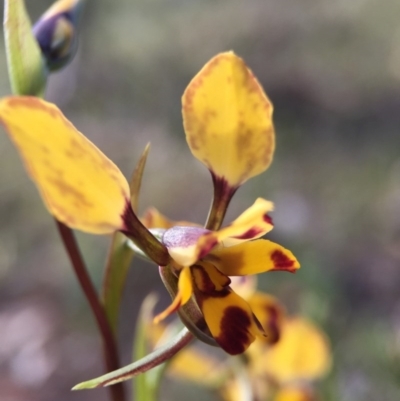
[332,71]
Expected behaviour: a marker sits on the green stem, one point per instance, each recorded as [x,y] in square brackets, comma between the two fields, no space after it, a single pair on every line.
[109,346]
[156,358]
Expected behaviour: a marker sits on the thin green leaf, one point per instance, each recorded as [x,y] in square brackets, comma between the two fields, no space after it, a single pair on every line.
[121,255]
[24,58]
[145,386]
[119,260]
[136,181]
[150,361]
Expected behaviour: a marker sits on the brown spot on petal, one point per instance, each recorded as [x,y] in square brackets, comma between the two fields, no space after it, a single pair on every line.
[208,245]
[235,336]
[202,280]
[249,234]
[268,219]
[67,190]
[282,262]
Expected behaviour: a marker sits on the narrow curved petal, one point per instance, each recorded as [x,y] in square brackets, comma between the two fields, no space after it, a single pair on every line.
[80,186]
[185,290]
[228,316]
[228,120]
[253,257]
[303,353]
[152,218]
[251,224]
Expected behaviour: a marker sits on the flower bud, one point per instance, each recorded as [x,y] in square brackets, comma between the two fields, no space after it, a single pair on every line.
[56,33]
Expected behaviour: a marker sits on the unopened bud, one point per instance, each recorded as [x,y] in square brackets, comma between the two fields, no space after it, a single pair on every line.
[56,33]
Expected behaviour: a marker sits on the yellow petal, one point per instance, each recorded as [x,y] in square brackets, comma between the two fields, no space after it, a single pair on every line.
[228,120]
[197,366]
[185,290]
[152,218]
[208,279]
[253,257]
[186,245]
[270,313]
[294,393]
[228,316]
[80,186]
[303,353]
[251,224]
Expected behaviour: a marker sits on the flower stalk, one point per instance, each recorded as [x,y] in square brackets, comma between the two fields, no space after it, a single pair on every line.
[110,350]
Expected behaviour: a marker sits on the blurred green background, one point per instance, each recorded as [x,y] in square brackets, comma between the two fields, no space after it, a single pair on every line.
[332,70]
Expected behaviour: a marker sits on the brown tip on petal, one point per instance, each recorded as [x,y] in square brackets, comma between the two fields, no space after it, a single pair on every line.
[282,262]
[268,219]
[235,334]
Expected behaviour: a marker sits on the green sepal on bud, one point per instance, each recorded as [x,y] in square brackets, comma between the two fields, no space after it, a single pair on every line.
[56,33]
[26,70]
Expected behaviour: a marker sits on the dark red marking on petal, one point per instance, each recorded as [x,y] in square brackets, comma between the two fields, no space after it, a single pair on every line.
[206,285]
[222,188]
[282,262]
[202,280]
[249,234]
[207,247]
[268,219]
[235,336]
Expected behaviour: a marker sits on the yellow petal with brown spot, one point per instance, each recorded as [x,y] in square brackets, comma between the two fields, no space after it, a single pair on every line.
[230,320]
[80,186]
[303,353]
[253,223]
[228,120]
[253,257]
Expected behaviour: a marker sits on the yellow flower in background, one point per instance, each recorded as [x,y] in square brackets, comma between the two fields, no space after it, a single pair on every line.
[228,124]
[302,354]
[295,393]
[281,371]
